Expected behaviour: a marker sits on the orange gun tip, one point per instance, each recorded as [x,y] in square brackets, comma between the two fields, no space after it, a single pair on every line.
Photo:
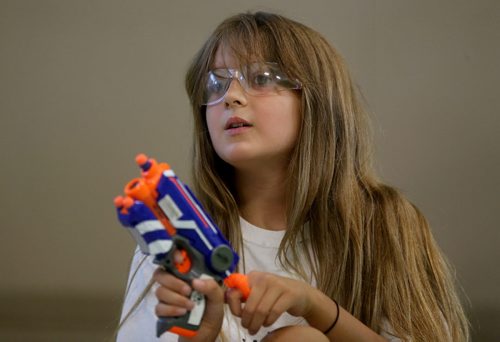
[118,201]
[128,202]
[240,282]
[141,159]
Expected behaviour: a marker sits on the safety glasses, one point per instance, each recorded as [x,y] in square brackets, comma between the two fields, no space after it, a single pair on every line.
[257,79]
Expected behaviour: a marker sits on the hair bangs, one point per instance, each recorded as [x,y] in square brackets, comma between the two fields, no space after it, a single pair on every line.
[247,41]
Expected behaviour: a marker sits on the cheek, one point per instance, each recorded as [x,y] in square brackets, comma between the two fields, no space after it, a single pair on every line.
[285,122]
[214,131]
[293,127]
[211,124]
[296,117]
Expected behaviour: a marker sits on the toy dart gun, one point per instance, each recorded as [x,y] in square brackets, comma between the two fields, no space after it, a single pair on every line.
[169,223]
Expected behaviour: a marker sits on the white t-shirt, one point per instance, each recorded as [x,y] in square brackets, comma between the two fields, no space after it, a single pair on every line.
[260,249]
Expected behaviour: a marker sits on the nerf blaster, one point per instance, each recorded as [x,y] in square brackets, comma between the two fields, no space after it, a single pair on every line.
[168,223]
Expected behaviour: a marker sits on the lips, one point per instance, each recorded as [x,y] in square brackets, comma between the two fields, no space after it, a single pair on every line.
[236,122]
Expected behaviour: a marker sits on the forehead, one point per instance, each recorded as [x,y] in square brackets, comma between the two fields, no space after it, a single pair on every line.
[235,55]
[225,58]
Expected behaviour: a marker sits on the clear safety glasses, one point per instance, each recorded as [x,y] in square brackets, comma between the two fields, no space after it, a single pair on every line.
[257,79]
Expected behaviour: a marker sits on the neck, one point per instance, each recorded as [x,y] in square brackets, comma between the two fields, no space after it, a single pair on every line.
[261,197]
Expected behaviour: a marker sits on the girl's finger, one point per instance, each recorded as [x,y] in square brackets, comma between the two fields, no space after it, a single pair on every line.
[233,299]
[264,308]
[252,302]
[169,297]
[280,306]
[166,310]
[171,282]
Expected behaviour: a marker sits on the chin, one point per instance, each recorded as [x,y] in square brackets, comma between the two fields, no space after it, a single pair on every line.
[240,160]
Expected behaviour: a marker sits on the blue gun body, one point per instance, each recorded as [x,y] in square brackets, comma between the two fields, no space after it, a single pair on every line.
[168,222]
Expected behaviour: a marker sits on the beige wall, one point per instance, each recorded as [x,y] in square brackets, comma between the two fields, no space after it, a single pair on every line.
[85,85]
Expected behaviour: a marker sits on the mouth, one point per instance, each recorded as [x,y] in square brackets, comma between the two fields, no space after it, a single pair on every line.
[236,122]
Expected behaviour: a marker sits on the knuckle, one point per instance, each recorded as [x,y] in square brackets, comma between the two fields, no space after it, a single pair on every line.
[254,275]
[160,271]
[275,312]
[211,285]
[159,292]
[262,311]
[245,323]
[234,296]
[256,278]
[157,272]
[270,278]
[268,322]
[159,310]
[246,315]
[249,308]
[214,290]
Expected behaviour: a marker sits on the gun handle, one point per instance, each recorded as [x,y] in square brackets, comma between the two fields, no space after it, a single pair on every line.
[238,281]
[189,324]
[186,325]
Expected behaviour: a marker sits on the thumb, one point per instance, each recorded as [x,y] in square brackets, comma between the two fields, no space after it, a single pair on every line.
[210,289]
[214,311]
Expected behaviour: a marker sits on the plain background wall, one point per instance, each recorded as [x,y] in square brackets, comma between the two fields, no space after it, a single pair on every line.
[86,85]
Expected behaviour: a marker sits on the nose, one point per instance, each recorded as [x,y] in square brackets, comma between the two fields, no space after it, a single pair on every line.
[235,94]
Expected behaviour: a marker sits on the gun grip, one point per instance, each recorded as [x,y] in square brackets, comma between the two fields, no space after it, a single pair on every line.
[165,324]
[186,325]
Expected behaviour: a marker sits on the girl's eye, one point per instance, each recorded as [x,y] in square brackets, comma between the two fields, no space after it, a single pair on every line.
[262,79]
[214,87]
[216,84]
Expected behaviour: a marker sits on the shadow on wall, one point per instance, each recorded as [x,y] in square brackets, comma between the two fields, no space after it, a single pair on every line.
[485,322]
[42,318]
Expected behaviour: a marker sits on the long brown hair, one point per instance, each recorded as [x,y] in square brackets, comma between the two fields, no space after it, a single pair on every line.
[378,257]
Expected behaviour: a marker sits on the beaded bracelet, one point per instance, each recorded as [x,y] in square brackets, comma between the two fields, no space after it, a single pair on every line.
[335,321]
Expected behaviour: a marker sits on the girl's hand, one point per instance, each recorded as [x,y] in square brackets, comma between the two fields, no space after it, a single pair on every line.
[173,300]
[270,297]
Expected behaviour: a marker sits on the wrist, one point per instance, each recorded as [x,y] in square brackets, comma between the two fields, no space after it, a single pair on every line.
[334,323]
[323,313]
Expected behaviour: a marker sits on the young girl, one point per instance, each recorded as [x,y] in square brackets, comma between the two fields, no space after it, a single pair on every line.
[282,163]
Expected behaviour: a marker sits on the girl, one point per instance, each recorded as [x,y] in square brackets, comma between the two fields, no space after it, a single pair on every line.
[282,163]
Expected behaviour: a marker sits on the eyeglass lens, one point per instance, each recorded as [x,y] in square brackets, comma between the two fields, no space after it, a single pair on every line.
[256,79]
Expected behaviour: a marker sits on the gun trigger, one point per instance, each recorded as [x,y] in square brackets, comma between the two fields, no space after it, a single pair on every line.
[182,261]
